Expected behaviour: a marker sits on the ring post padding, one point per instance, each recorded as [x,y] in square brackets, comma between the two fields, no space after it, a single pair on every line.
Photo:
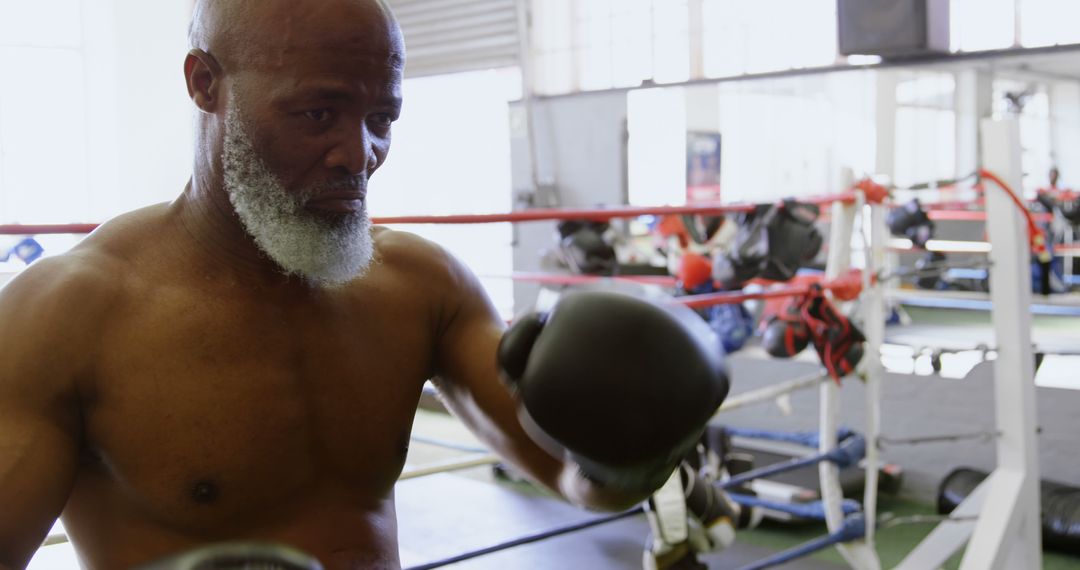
[874,327]
[857,554]
[1008,532]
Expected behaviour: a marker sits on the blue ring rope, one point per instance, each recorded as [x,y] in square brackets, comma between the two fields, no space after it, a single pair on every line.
[848,452]
[854,528]
[812,510]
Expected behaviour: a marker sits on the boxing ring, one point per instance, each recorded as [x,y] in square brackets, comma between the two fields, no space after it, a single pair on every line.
[999,522]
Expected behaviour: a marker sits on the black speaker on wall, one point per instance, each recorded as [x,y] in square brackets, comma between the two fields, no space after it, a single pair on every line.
[893,28]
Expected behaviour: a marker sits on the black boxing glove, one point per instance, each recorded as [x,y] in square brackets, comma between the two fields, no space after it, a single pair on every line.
[928,271]
[794,241]
[1070,209]
[749,252]
[912,222]
[585,249]
[773,242]
[787,333]
[837,340]
[621,386]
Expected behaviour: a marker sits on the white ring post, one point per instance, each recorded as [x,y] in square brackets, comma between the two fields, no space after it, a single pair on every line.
[857,553]
[1008,531]
[874,328]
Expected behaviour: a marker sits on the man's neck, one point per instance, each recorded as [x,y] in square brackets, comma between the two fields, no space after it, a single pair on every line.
[205,213]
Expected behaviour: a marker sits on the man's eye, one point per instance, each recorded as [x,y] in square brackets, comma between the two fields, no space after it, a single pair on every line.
[318,115]
[383,120]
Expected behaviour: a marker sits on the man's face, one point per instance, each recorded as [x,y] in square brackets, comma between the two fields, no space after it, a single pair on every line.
[305,128]
[328,248]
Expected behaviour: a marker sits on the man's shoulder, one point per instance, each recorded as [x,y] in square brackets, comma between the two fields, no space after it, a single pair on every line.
[54,312]
[405,251]
[129,232]
[425,266]
[88,280]
[80,279]
[430,269]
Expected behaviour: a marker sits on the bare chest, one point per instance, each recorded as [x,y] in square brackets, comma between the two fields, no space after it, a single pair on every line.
[222,410]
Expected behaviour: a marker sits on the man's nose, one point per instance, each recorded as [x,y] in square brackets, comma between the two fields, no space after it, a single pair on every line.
[355,153]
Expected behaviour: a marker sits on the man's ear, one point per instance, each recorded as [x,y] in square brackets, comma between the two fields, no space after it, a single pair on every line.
[203,76]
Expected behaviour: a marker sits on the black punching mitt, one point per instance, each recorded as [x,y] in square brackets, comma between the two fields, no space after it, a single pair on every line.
[620,385]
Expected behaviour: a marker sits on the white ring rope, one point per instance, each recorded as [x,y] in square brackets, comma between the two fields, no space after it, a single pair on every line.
[771,392]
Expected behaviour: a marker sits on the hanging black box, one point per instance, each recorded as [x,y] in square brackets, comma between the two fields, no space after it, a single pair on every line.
[893,28]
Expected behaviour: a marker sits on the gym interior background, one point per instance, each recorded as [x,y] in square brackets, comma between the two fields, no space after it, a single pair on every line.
[517,104]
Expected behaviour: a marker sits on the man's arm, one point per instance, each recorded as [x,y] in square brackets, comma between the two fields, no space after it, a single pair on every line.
[39,409]
[469,380]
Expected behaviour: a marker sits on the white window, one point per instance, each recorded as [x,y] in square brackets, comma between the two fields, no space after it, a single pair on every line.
[925,128]
[451,155]
[41,23]
[671,41]
[599,44]
[43,127]
[795,136]
[94,117]
[998,24]
[1049,22]
[656,150]
[767,35]
[976,25]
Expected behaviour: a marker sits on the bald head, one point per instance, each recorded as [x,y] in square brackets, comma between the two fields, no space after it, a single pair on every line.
[264,33]
[296,101]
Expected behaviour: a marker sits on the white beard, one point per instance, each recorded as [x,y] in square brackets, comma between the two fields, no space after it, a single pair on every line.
[327,250]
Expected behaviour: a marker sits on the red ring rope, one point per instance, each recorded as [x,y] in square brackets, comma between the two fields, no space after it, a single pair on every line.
[599,215]
[844,288]
[1035,235]
[43,229]
[870,189]
[973,216]
[574,279]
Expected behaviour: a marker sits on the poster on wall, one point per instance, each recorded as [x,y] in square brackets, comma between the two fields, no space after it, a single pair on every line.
[702,167]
